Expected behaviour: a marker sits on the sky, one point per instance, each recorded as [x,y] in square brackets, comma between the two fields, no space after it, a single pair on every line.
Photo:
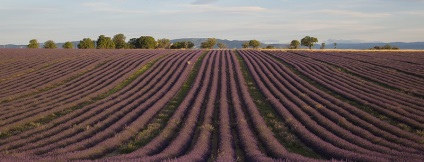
[269,21]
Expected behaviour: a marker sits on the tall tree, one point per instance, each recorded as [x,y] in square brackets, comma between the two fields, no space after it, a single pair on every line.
[164,43]
[68,45]
[33,43]
[132,43]
[322,45]
[50,44]
[119,40]
[335,45]
[86,43]
[294,44]
[209,43]
[146,42]
[254,43]
[221,45]
[245,45]
[308,41]
[104,42]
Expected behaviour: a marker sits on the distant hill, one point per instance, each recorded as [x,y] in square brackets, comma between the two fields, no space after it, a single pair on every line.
[237,44]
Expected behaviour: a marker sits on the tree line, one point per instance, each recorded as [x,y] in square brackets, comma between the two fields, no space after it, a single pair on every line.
[118,41]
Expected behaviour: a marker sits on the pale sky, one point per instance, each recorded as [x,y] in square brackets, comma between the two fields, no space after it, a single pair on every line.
[269,21]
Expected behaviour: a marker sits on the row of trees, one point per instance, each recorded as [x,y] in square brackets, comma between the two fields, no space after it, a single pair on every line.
[148,42]
[118,42]
[385,47]
[33,43]
[211,42]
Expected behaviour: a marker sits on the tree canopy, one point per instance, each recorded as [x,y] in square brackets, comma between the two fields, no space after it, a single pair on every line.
[164,43]
[208,44]
[132,43]
[146,42]
[270,47]
[104,42]
[309,41]
[86,43]
[245,45]
[221,45]
[119,40]
[254,43]
[50,44]
[322,45]
[182,44]
[294,44]
[68,45]
[33,43]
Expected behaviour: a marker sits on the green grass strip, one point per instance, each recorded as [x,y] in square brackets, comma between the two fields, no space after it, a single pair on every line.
[54,85]
[48,118]
[355,103]
[161,119]
[279,128]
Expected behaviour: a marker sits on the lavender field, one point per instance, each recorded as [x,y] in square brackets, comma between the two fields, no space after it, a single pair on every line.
[211,105]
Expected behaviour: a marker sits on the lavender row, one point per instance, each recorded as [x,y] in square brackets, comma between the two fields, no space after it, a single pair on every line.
[53,108]
[112,71]
[40,78]
[58,68]
[226,144]
[384,60]
[357,120]
[197,90]
[84,116]
[63,119]
[377,95]
[133,121]
[302,131]
[246,135]
[20,61]
[323,119]
[383,75]
[181,142]
[202,148]
[381,106]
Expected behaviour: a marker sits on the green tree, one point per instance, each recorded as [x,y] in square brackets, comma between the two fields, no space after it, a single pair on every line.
[322,45]
[119,40]
[209,43]
[104,42]
[308,41]
[245,45]
[387,46]
[221,45]
[146,42]
[270,47]
[182,44]
[132,43]
[86,43]
[254,43]
[33,43]
[164,43]
[335,45]
[294,44]
[50,44]
[68,45]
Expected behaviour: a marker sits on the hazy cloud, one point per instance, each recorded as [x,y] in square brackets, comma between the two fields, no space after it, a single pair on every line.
[352,13]
[105,7]
[200,2]
[218,9]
